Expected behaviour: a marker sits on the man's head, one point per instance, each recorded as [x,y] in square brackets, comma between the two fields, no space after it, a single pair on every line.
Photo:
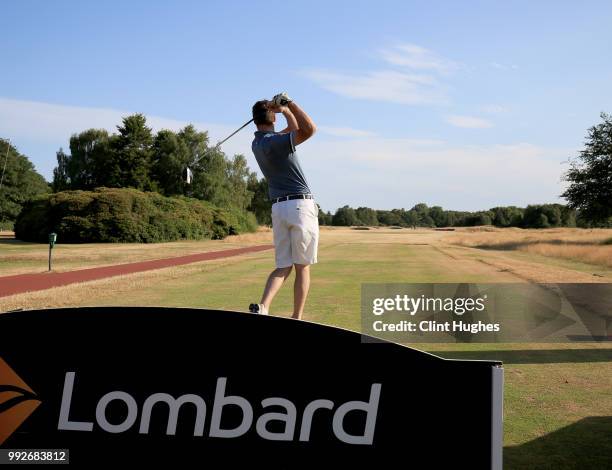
[264,114]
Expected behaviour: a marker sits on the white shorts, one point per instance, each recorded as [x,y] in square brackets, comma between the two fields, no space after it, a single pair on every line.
[295,224]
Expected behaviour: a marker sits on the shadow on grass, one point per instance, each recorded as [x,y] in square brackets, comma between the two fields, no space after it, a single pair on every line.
[585,444]
[4,240]
[536,356]
[515,245]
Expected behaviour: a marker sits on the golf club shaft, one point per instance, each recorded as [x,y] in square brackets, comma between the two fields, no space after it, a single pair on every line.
[218,144]
[234,133]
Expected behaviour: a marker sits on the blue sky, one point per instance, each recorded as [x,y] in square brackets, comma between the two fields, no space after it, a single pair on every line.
[463,104]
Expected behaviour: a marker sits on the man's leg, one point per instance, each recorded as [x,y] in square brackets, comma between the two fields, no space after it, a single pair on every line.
[282,256]
[300,289]
[274,283]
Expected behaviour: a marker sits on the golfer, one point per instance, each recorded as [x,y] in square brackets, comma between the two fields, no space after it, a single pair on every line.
[295,215]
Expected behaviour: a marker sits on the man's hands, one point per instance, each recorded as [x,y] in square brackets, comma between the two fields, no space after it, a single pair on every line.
[297,120]
[280,104]
[282,99]
[279,109]
[292,124]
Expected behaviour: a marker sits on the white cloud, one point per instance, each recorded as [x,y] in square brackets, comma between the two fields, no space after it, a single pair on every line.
[53,121]
[494,109]
[345,131]
[468,122]
[499,66]
[417,57]
[412,77]
[382,85]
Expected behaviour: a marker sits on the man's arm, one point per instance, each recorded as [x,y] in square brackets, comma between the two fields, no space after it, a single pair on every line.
[292,124]
[306,127]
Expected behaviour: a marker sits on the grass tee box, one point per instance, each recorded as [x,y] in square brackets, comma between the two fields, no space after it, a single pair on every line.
[201,391]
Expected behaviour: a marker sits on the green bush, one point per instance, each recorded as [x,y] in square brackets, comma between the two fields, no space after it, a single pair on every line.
[126,215]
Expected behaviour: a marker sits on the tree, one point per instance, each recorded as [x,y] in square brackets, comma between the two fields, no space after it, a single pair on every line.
[171,156]
[542,221]
[208,177]
[500,219]
[260,204]
[367,216]
[479,218]
[195,145]
[87,164]
[590,175]
[61,179]
[421,207]
[325,218]
[131,157]
[439,216]
[535,217]
[517,217]
[238,175]
[20,183]
[553,214]
[425,220]
[510,216]
[568,217]
[389,217]
[345,216]
[412,218]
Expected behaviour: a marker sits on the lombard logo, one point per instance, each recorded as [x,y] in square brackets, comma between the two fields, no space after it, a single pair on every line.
[17,401]
[139,415]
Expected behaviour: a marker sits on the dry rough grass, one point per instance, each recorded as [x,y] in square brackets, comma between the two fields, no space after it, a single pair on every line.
[584,245]
[18,257]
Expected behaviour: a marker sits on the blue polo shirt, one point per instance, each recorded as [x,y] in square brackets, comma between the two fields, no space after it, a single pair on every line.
[278,161]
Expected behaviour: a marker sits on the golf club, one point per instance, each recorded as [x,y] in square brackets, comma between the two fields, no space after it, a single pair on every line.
[188,173]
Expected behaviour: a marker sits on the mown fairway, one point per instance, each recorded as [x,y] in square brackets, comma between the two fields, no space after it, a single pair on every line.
[558,397]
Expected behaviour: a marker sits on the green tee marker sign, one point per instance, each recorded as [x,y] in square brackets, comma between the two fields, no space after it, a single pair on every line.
[52,240]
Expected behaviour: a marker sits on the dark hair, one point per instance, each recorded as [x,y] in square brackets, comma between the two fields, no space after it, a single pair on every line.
[262,114]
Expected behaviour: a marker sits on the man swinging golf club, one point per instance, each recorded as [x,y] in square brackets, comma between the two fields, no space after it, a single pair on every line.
[295,215]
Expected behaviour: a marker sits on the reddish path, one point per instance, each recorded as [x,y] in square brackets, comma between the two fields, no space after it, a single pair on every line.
[10,285]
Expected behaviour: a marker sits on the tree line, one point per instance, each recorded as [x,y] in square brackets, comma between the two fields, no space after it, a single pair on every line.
[421,215]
